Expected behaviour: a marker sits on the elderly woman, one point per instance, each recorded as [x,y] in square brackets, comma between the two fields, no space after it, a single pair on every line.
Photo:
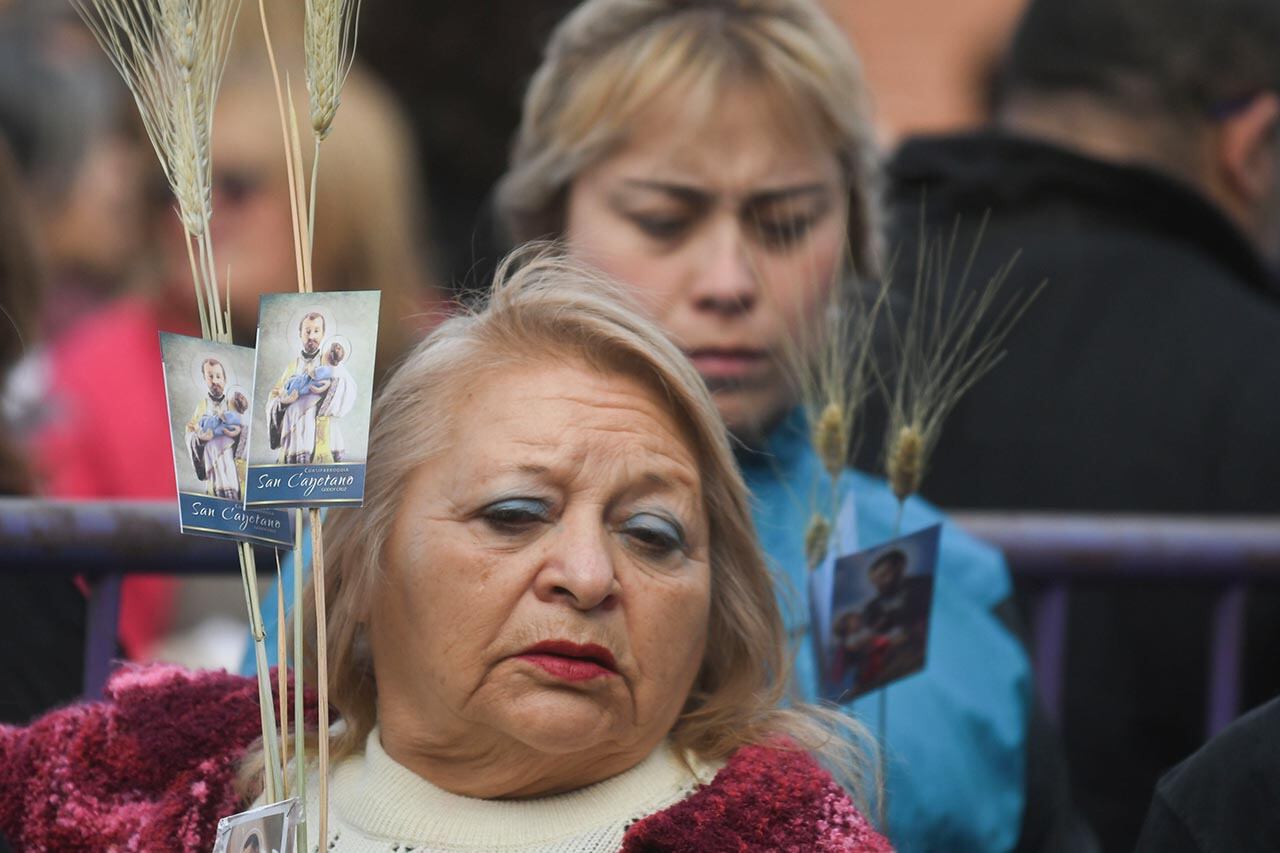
[550,628]
[717,157]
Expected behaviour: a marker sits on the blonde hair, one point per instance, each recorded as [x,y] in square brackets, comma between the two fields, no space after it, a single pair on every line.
[543,305]
[610,60]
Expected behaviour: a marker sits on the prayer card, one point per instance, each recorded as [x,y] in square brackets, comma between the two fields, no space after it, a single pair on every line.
[873,628]
[313,391]
[210,405]
[266,829]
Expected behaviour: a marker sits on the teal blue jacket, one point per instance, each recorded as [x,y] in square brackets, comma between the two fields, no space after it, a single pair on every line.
[956,732]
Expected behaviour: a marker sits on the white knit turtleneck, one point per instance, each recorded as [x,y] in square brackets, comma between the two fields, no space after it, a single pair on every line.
[379,806]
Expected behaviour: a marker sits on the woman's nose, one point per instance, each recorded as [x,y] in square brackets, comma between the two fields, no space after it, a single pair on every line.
[727,282]
[579,569]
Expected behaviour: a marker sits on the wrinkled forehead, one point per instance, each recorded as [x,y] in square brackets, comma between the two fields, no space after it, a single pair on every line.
[570,414]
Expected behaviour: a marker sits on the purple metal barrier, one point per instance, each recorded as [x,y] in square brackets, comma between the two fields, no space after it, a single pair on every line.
[95,538]
[1057,549]
[102,539]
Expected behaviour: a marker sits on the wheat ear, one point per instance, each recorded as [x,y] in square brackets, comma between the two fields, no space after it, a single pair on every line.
[329,41]
[950,339]
[831,364]
[171,55]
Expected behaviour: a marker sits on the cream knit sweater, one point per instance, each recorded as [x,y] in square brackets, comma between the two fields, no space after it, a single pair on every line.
[379,806]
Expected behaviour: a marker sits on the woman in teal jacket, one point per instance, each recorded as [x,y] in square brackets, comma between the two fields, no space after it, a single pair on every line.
[715,157]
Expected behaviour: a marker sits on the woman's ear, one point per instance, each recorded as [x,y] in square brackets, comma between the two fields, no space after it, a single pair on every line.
[1248,149]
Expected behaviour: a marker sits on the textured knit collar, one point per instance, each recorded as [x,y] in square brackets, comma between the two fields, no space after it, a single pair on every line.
[378,797]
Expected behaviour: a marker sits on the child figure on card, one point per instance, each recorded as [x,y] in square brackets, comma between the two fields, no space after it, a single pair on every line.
[335,404]
[229,423]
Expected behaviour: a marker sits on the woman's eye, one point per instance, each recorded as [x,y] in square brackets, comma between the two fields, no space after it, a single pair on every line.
[778,233]
[661,227]
[515,514]
[654,534]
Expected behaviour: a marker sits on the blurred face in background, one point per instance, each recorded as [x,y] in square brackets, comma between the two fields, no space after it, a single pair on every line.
[732,228]
[252,227]
[97,231]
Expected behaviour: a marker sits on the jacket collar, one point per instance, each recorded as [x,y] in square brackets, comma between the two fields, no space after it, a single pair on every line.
[997,170]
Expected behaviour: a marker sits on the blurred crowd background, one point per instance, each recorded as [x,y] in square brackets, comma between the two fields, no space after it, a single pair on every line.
[1143,203]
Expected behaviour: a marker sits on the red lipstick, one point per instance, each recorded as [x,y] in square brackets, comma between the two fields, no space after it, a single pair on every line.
[571,661]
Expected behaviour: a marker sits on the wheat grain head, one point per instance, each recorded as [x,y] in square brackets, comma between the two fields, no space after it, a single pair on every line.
[330,44]
[171,55]
[951,338]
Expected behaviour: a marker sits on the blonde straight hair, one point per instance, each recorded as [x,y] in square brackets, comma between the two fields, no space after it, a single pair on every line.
[610,61]
[543,305]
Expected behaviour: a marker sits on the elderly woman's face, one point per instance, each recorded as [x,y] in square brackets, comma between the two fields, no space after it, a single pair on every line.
[547,585]
[732,229]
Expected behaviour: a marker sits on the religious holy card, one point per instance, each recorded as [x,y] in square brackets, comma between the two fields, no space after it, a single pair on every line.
[265,829]
[313,392]
[874,625]
[210,406]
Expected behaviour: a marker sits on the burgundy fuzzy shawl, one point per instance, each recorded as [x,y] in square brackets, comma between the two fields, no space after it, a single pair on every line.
[154,768]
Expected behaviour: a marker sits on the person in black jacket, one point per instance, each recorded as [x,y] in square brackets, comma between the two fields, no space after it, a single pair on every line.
[1223,797]
[1134,164]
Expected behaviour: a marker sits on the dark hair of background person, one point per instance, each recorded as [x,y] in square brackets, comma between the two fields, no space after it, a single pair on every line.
[42,617]
[465,111]
[1171,56]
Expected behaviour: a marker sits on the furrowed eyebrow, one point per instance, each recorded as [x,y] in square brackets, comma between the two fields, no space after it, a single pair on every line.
[785,193]
[684,193]
[695,195]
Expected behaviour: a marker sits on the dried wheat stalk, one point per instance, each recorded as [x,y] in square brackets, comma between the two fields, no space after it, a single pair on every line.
[329,40]
[273,778]
[950,339]
[832,369]
[329,43]
[171,54]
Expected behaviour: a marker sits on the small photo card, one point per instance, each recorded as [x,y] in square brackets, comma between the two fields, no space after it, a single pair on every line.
[207,386]
[878,629]
[266,829]
[313,390]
